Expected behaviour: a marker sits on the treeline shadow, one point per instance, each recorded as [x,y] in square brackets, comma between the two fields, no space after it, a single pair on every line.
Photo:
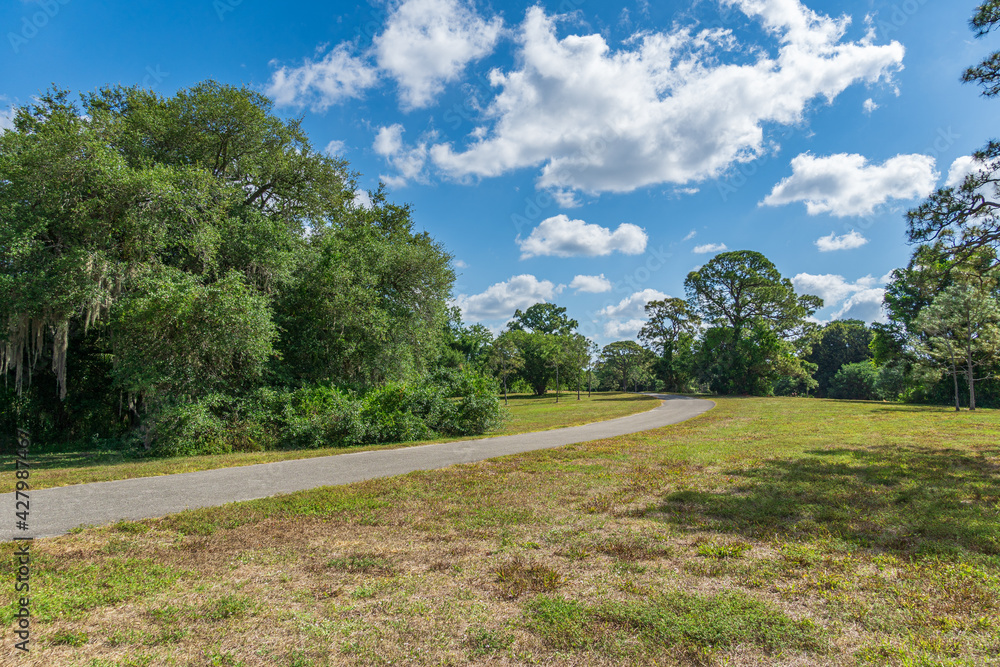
[904,500]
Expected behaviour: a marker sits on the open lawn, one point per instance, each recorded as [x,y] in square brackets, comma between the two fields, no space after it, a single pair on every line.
[526,413]
[764,532]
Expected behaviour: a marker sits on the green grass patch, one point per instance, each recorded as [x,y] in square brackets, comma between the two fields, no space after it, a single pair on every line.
[670,620]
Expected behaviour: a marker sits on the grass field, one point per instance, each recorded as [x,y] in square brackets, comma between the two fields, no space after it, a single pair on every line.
[764,532]
[526,413]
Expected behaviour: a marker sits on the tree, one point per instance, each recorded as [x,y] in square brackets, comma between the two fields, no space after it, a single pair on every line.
[840,342]
[505,359]
[670,331]
[738,289]
[622,358]
[540,332]
[166,247]
[962,326]
[544,318]
[753,309]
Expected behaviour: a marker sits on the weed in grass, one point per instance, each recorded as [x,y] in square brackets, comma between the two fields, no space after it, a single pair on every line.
[218,658]
[229,606]
[483,641]
[131,527]
[67,638]
[515,577]
[370,563]
[670,620]
[123,661]
[722,550]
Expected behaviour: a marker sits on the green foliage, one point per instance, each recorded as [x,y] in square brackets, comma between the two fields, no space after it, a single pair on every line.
[856,381]
[840,342]
[315,416]
[754,311]
[156,252]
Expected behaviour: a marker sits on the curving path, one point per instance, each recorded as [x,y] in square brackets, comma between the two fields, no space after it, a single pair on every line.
[56,511]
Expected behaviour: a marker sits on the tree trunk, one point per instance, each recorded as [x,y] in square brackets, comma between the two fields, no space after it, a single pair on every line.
[972,386]
[954,374]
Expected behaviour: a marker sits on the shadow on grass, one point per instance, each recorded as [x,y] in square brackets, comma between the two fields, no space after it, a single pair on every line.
[909,501]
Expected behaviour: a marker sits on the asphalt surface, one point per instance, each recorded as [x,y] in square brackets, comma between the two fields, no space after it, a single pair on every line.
[56,511]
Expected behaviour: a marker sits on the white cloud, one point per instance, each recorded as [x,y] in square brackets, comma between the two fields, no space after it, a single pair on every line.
[960,169]
[460,264]
[664,108]
[337,77]
[620,330]
[627,317]
[869,106]
[560,236]
[362,199]
[429,42]
[709,247]
[502,299]
[848,241]
[335,148]
[860,300]
[866,305]
[408,161]
[691,235]
[634,306]
[846,185]
[592,284]
[7,119]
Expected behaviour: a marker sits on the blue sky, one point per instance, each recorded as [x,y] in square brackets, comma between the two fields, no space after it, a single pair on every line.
[582,153]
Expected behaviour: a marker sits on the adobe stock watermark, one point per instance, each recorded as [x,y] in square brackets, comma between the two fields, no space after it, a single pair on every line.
[223,7]
[154,77]
[33,24]
[900,15]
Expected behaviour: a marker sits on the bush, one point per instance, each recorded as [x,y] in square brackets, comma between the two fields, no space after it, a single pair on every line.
[455,404]
[190,429]
[855,381]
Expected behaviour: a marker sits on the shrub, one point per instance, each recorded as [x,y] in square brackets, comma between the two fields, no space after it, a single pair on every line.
[855,381]
[189,429]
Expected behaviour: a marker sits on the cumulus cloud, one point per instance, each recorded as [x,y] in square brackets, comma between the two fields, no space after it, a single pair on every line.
[861,299]
[846,185]
[869,106]
[709,247]
[362,199]
[620,330]
[461,264]
[960,169]
[848,241]
[625,318]
[560,236]
[866,305]
[335,148]
[634,306]
[664,108]
[429,42]
[407,160]
[500,300]
[591,284]
[336,77]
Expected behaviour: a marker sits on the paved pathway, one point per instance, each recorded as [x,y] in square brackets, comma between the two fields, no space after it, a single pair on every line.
[56,511]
